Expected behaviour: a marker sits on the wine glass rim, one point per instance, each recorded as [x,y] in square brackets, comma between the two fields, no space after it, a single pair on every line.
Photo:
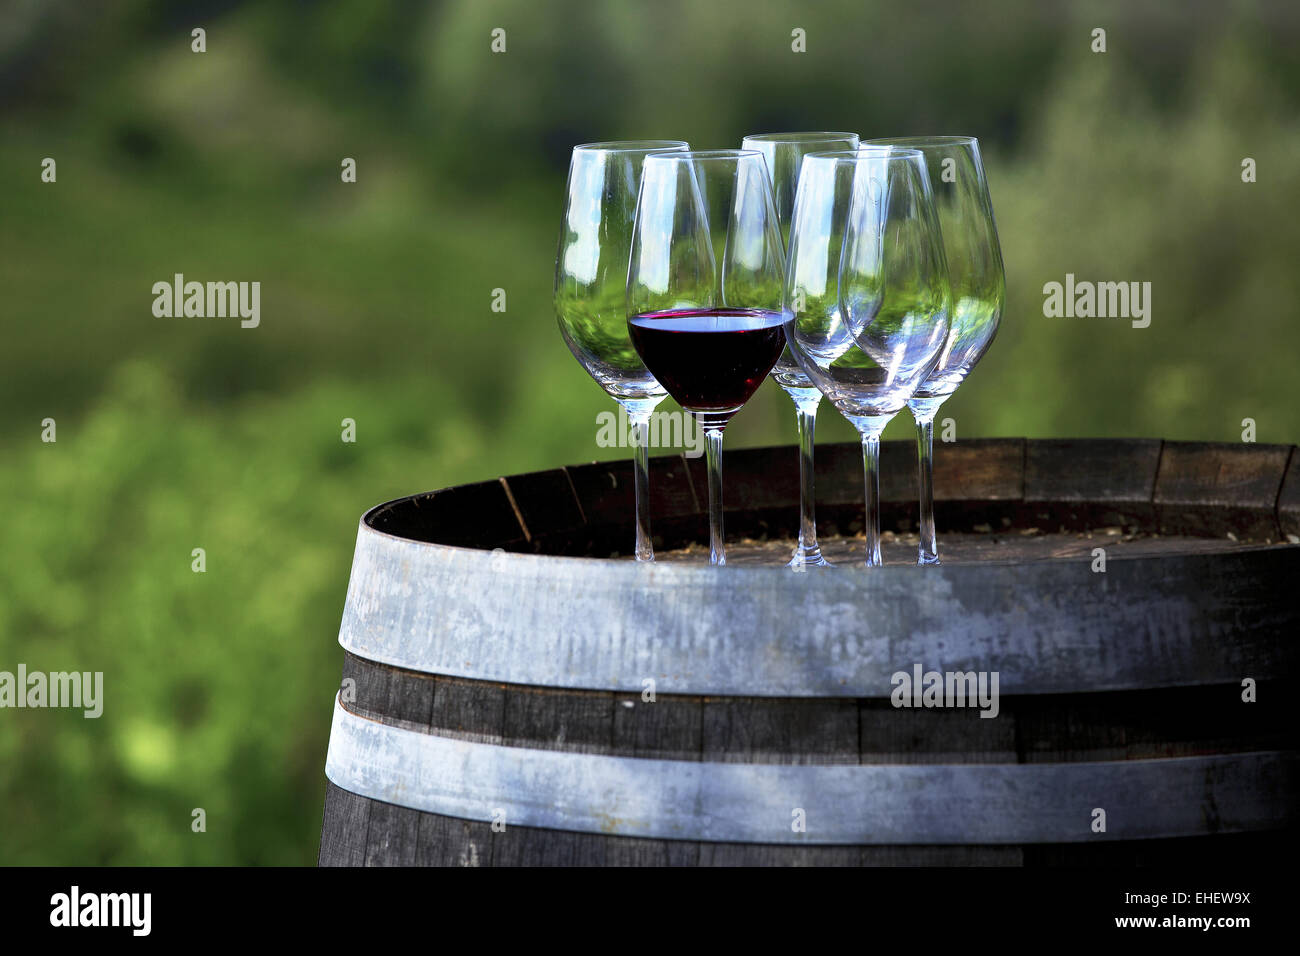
[809,136]
[634,146]
[920,141]
[864,153]
[704,155]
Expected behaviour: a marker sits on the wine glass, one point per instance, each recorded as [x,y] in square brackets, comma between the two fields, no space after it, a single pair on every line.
[704,290]
[784,153]
[590,280]
[970,239]
[867,290]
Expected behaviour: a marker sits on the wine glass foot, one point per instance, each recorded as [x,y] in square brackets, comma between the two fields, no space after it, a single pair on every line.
[924,560]
[810,558]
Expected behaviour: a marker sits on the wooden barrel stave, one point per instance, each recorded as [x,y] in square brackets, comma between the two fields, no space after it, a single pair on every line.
[1114,725]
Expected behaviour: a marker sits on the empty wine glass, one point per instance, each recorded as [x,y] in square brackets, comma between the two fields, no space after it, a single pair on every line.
[784,153]
[704,290]
[867,289]
[590,289]
[970,239]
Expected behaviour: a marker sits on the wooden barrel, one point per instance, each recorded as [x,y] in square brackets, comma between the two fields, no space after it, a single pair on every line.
[518,691]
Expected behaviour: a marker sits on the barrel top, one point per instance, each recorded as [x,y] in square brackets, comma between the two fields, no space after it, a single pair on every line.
[510,580]
[1162,493]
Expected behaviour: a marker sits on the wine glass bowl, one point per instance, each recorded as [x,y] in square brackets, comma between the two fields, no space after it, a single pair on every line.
[972,251]
[867,280]
[591,264]
[784,153]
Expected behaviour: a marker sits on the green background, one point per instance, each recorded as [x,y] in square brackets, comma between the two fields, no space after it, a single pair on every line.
[182,433]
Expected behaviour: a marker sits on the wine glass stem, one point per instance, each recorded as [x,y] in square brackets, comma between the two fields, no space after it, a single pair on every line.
[871,476]
[640,419]
[713,459]
[808,547]
[929,547]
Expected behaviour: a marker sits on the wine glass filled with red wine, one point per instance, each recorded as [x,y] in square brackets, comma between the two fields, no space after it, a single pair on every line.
[705,290]
[591,287]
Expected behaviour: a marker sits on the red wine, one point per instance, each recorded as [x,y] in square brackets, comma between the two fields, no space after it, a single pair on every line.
[709,360]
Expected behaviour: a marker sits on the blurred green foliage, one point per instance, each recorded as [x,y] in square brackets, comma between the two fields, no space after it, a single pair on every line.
[182,433]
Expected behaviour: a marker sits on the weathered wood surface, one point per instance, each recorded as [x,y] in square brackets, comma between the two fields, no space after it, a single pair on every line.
[1091,483]
[1051,626]
[477,515]
[1118,725]
[1177,488]
[1288,500]
[1204,488]
[346,830]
